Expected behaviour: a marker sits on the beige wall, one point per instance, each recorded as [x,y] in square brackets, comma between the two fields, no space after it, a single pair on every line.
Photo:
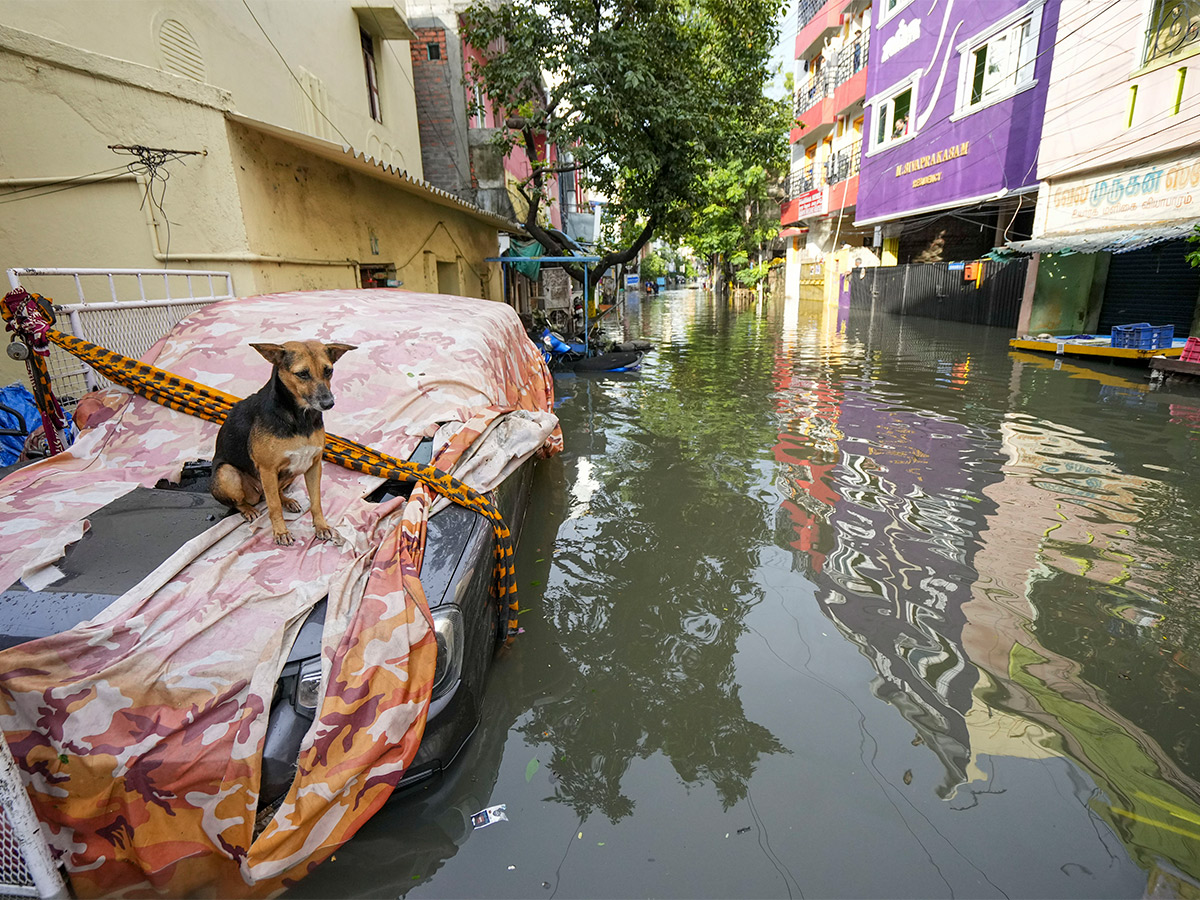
[298,204]
[1097,60]
[276,215]
[319,39]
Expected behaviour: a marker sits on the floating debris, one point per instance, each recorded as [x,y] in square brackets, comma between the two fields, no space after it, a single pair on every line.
[486,817]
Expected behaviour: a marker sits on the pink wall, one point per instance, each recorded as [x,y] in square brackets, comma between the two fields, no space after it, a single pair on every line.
[1096,62]
[516,163]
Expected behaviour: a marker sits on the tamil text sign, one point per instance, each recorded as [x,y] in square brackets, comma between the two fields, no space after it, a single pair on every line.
[1160,192]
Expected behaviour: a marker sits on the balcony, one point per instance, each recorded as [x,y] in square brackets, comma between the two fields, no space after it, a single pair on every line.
[801,181]
[813,104]
[806,11]
[843,164]
[841,173]
[815,22]
[851,59]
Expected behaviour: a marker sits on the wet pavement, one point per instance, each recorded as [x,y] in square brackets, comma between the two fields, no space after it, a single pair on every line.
[829,608]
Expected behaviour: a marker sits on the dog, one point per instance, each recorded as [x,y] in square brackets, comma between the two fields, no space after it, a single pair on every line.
[278,433]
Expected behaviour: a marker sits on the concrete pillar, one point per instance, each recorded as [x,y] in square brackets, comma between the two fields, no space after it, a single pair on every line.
[1027,298]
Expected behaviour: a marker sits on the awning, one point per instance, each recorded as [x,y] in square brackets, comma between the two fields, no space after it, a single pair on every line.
[1112,241]
[345,155]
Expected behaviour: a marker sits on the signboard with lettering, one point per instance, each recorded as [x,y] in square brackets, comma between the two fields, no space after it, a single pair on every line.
[810,203]
[632,281]
[954,148]
[1142,195]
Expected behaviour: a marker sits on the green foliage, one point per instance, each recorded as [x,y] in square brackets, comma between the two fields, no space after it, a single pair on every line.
[740,214]
[653,266]
[1194,256]
[752,275]
[648,95]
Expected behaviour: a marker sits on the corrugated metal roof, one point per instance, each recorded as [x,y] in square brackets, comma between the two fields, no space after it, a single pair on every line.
[1110,240]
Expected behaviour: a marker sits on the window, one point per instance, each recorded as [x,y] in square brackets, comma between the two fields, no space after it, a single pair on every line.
[368,49]
[894,118]
[999,64]
[888,8]
[480,111]
[1003,63]
[434,51]
[1172,31]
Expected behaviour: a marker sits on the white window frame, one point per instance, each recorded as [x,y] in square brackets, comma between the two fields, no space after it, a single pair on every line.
[1023,77]
[880,105]
[886,14]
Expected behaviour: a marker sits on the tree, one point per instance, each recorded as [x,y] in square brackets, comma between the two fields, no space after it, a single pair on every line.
[741,212]
[648,96]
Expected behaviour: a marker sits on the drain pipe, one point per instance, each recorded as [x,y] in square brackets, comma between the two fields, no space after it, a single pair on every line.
[240,256]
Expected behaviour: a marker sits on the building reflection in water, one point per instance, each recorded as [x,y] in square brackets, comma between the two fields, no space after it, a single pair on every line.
[950,548]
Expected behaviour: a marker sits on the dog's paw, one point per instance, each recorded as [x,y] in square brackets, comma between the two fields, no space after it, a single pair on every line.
[284,538]
[249,514]
[326,534]
[290,505]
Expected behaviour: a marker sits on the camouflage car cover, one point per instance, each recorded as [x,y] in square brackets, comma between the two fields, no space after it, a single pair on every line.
[140,732]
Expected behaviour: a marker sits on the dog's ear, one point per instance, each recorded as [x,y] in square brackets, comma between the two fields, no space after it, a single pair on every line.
[335,351]
[272,353]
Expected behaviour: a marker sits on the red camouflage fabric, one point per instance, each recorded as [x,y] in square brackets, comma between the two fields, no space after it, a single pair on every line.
[140,732]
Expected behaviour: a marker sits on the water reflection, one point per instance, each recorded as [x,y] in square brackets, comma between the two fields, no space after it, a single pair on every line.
[837,606]
[651,587]
[1018,590]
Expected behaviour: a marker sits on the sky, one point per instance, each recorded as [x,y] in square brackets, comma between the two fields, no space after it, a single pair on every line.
[783,54]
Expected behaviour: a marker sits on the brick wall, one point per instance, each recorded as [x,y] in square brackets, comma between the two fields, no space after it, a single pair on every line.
[433,81]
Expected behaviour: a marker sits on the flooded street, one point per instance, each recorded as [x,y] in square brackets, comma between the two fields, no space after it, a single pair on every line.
[871,608]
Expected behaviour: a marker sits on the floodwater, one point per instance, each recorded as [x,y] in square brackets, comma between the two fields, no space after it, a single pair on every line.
[828,608]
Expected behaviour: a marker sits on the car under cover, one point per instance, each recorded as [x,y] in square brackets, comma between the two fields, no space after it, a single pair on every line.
[140,731]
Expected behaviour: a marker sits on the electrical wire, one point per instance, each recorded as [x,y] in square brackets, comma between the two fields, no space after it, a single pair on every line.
[7,198]
[429,120]
[996,152]
[947,117]
[320,111]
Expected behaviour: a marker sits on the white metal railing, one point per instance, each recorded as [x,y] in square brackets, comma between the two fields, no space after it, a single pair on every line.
[26,867]
[138,308]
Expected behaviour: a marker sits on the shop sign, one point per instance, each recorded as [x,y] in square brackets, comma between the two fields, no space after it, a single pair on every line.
[810,203]
[1158,192]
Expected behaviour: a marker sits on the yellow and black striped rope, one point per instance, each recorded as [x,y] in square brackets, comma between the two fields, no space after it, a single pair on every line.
[195,399]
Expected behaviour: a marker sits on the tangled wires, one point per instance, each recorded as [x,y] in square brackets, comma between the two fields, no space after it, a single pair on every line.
[151,162]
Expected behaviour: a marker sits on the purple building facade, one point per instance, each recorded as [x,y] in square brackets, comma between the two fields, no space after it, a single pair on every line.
[956,94]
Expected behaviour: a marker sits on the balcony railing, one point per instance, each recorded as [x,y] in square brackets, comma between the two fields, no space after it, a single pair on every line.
[843,164]
[851,60]
[1172,29]
[806,11]
[801,181]
[815,88]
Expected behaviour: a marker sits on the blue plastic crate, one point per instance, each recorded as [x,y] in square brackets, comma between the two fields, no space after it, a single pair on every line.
[1143,336]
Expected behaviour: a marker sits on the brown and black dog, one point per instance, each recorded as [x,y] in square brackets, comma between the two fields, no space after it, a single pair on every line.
[277,433]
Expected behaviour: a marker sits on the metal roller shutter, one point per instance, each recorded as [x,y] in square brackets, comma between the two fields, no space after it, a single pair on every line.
[1154,285]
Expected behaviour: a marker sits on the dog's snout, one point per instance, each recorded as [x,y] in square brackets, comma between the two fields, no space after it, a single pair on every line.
[325,400]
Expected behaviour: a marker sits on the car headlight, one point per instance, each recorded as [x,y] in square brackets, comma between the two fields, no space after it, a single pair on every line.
[308,685]
[448,629]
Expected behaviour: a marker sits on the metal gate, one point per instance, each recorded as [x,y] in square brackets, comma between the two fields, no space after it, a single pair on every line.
[937,291]
[1155,285]
[126,310]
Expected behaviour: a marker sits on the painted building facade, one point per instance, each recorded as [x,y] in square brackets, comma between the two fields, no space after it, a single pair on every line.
[459,121]
[832,43]
[956,93]
[1120,170]
[307,168]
